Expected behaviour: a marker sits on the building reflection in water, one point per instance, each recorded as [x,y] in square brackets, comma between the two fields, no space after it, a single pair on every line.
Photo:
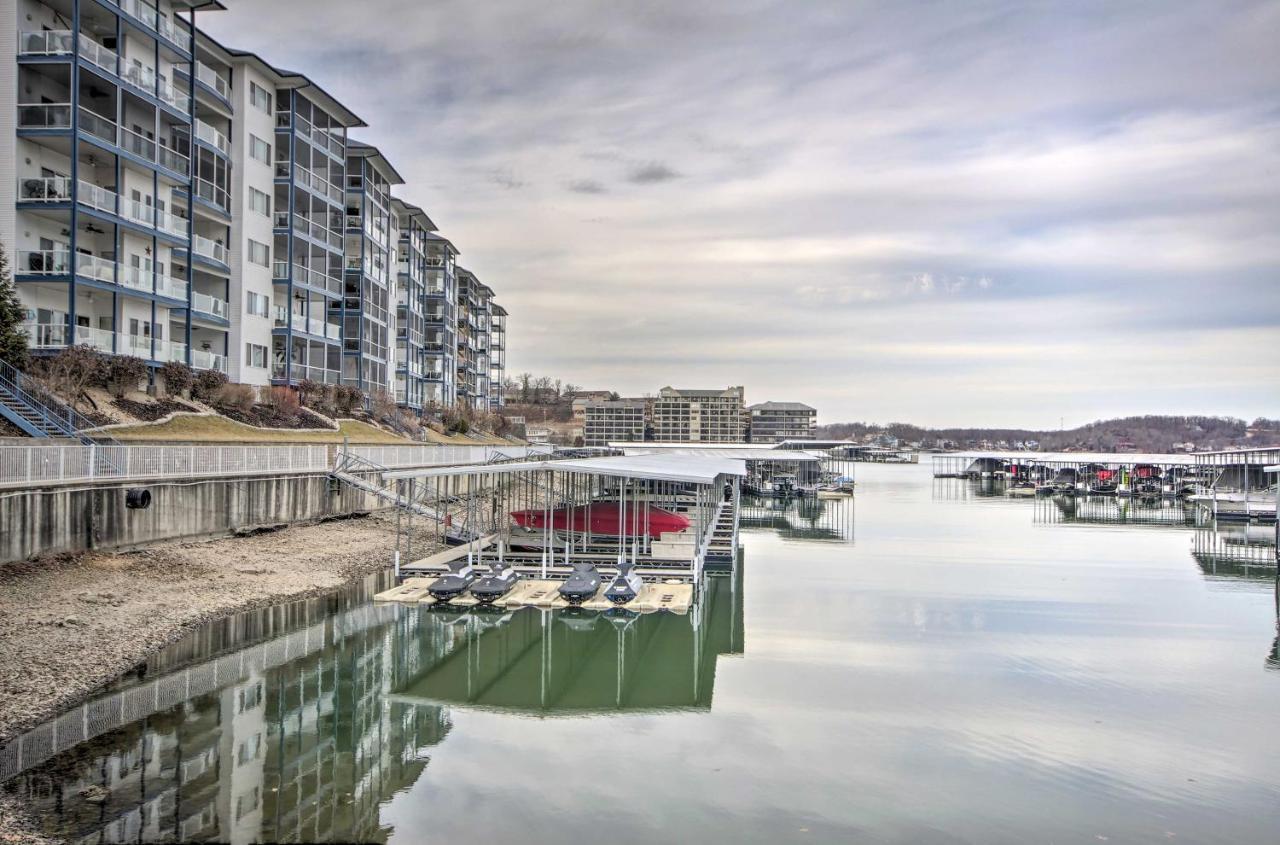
[297,723]
[800,518]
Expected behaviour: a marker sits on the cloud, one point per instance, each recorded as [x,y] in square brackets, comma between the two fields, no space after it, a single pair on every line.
[587,186]
[651,173]
[841,183]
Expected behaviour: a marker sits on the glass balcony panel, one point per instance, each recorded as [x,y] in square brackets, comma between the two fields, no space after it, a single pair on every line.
[206,304]
[97,125]
[44,262]
[54,42]
[171,287]
[44,188]
[137,144]
[173,160]
[93,267]
[213,137]
[94,53]
[44,115]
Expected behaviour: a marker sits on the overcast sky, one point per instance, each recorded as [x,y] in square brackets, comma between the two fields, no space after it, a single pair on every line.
[944,213]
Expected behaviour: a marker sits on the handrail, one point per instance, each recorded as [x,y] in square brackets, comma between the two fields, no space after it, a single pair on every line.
[65,419]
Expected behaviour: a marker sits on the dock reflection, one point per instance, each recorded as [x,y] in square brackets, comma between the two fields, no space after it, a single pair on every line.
[808,518]
[297,723]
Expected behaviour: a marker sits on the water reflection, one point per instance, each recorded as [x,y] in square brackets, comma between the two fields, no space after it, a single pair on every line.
[1116,510]
[800,518]
[298,723]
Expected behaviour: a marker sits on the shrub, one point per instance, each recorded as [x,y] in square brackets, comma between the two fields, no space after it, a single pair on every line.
[177,378]
[70,372]
[455,421]
[385,408]
[234,396]
[207,384]
[283,399]
[310,393]
[347,399]
[123,372]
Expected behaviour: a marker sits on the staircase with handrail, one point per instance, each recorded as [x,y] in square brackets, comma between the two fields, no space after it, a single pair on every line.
[39,413]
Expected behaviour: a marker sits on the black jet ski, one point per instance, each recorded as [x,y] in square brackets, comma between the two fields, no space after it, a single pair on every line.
[625,586]
[461,575]
[496,584]
[583,583]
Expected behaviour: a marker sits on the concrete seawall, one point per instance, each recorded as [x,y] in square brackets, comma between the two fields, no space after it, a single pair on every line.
[82,517]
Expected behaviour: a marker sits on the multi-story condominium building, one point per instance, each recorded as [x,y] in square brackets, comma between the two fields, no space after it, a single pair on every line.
[774,422]
[497,358]
[606,421]
[165,196]
[97,167]
[704,416]
[373,236]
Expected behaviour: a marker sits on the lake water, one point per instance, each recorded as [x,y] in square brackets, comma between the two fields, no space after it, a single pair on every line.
[924,664]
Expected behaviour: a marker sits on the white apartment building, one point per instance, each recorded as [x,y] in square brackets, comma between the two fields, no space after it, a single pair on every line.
[165,196]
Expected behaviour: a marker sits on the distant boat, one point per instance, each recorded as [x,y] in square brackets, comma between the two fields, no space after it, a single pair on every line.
[607,519]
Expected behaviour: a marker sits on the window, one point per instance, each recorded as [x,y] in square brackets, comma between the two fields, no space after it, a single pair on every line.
[260,97]
[259,149]
[259,253]
[259,202]
[255,356]
[258,304]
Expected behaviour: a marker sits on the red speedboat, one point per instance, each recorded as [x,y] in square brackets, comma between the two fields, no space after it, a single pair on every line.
[606,519]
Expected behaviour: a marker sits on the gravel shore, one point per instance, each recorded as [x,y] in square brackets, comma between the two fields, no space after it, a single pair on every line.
[68,625]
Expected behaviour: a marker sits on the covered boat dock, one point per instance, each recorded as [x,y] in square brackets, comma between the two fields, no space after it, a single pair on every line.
[668,516]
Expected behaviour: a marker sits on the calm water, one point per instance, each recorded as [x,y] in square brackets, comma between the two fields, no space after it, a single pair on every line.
[959,668]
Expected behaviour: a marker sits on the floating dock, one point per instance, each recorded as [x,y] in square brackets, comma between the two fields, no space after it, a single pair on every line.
[672,595]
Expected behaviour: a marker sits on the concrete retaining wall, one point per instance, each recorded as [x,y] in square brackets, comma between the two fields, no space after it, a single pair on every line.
[46,521]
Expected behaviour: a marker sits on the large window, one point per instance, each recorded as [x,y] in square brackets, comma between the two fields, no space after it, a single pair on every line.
[259,149]
[260,97]
[259,202]
[258,304]
[255,356]
[259,254]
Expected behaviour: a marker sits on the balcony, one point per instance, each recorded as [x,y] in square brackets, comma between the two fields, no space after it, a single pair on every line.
[44,188]
[43,262]
[55,335]
[44,115]
[94,53]
[150,17]
[211,78]
[307,276]
[98,126]
[204,360]
[213,194]
[206,304]
[209,248]
[54,42]
[212,137]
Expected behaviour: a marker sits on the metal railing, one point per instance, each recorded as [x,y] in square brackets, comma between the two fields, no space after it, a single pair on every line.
[59,417]
[24,465]
[209,248]
[53,42]
[213,137]
[43,262]
[206,304]
[44,188]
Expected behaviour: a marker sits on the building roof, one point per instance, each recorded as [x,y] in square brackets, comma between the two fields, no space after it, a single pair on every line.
[436,236]
[684,468]
[685,393]
[414,213]
[291,79]
[781,406]
[360,149]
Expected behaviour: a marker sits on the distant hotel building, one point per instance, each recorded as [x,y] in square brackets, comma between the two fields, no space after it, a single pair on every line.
[704,416]
[167,197]
[610,420]
[774,422]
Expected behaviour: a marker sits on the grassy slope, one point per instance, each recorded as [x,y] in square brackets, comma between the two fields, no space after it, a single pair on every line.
[208,429]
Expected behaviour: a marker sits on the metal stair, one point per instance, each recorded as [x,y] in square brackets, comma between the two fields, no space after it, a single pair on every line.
[346,465]
[39,413]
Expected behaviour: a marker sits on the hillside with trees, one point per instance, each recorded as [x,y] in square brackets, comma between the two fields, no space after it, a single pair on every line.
[1140,433]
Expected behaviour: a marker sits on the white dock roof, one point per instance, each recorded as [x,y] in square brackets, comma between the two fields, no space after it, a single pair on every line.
[734,451]
[684,468]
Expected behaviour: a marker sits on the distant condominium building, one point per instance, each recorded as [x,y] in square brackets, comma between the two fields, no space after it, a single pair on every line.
[774,422]
[605,421]
[706,416]
[168,197]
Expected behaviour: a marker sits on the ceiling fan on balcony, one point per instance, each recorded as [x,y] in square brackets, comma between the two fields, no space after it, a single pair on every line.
[92,229]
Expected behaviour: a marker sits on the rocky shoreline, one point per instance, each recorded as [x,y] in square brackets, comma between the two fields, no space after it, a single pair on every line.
[69,625]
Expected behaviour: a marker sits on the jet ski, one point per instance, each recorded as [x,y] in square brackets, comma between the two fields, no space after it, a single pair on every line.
[625,586]
[496,584]
[460,577]
[583,583]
